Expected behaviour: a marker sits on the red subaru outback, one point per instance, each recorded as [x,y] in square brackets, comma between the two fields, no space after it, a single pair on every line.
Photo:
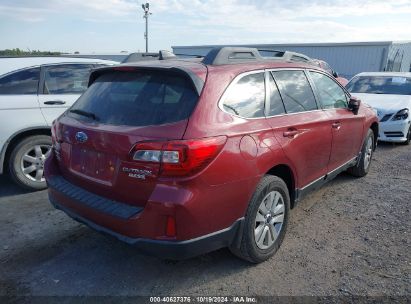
[181,158]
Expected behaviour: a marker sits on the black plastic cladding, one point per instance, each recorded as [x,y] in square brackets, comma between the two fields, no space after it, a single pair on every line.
[229,55]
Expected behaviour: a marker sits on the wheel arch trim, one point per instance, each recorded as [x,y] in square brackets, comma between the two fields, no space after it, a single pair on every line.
[374,126]
[6,146]
[289,176]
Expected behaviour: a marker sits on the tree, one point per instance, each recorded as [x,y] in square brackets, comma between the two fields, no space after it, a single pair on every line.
[18,52]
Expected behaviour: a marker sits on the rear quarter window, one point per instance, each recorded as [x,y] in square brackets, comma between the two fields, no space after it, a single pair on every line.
[138,98]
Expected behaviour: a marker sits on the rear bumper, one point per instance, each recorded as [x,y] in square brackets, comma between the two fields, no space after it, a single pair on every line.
[175,250]
[201,224]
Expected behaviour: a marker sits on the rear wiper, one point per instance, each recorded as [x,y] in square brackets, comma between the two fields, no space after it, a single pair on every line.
[84,113]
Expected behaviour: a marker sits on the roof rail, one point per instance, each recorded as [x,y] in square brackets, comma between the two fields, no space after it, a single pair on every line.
[287,55]
[276,53]
[229,55]
[189,55]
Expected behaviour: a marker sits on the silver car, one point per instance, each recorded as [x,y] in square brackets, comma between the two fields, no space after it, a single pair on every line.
[33,92]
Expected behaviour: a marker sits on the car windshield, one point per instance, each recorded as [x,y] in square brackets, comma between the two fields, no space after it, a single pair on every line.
[397,85]
[137,99]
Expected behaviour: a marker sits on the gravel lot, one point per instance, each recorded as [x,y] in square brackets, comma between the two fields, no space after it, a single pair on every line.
[349,238]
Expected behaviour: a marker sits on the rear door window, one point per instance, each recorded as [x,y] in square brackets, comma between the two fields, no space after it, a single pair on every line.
[295,91]
[66,79]
[246,97]
[21,82]
[330,93]
[138,98]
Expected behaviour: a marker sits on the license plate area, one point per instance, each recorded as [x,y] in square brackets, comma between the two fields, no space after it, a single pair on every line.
[96,165]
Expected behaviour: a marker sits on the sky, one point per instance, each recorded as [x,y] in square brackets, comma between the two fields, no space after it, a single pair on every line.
[111,26]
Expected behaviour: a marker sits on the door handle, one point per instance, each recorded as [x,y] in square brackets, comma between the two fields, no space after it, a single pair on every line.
[291,133]
[336,125]
[54,102]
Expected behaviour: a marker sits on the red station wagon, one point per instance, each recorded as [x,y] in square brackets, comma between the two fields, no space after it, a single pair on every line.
[183,157]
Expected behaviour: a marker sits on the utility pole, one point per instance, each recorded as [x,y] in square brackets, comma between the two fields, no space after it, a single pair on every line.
[146,9]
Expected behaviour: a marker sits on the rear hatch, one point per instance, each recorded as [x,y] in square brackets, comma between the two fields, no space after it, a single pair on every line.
[123,106]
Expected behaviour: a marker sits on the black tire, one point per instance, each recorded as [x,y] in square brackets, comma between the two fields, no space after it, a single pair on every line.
[16,157]
[407,142]
[248,249]
[361,168]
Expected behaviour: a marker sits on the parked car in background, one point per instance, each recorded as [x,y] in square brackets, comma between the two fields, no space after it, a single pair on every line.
[389,93]
[181,158]
[33,92]
[325,66]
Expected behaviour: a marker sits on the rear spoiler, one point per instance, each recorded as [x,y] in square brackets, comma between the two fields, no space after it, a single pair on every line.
[196,81]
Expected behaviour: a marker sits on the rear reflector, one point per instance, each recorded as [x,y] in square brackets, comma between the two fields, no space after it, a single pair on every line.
[180,157]
[171,226]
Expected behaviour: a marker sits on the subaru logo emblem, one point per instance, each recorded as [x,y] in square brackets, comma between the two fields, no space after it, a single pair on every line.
[81,137]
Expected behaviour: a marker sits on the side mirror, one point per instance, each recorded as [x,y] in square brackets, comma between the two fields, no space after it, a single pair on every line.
[354,105]
[335,74]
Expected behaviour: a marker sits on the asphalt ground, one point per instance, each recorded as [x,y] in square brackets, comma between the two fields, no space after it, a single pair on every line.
[352,237]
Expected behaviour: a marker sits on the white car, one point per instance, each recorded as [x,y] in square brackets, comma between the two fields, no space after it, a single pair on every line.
[389,93]
[33,92]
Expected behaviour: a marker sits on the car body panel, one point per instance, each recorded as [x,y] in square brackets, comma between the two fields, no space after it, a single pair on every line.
[215,198]
[387,103]
[52,111]
[310,149]
[347,133]
[103,164]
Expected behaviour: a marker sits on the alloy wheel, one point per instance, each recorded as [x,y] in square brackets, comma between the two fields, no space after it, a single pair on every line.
[32,162]
[269,220]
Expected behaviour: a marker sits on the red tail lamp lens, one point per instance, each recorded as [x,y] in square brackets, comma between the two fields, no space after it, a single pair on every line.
[182,157]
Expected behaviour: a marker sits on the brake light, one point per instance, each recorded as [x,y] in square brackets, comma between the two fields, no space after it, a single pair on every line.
[180,157]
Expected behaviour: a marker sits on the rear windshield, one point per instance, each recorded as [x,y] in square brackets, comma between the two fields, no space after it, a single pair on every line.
[380,85]
[137,99]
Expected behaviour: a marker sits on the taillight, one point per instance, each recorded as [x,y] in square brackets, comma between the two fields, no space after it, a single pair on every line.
[180,157]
